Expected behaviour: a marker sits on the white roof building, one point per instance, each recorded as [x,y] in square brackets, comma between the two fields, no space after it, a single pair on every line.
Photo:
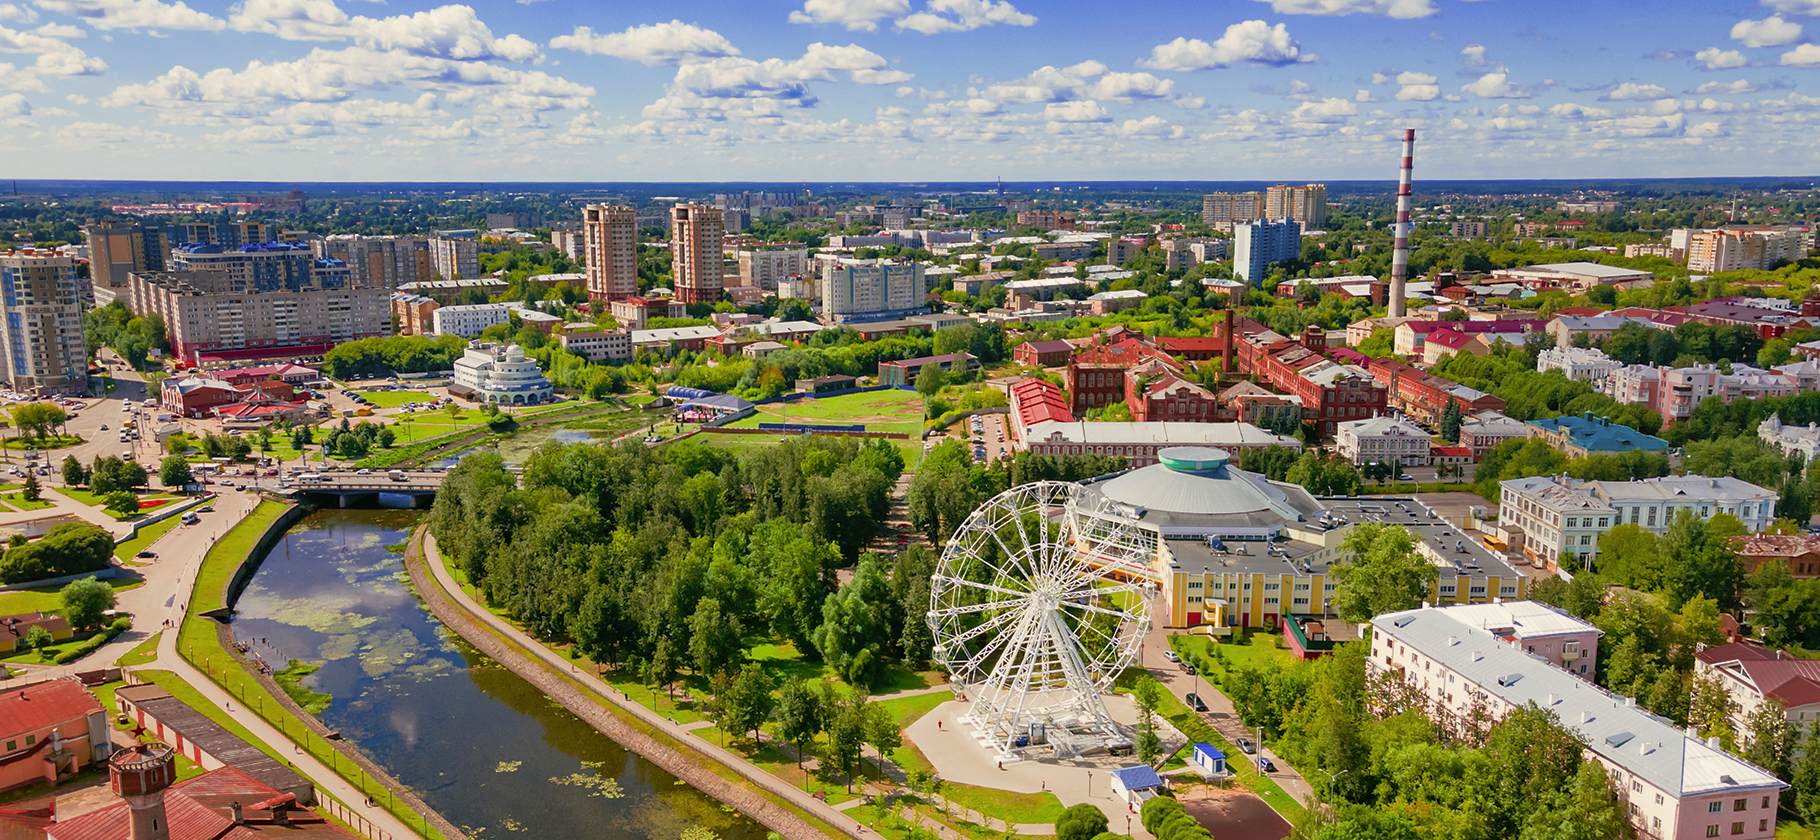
[1677,785]
[1561,515]
[1790,439]
[1580,364]
[500,374]
[1138,443]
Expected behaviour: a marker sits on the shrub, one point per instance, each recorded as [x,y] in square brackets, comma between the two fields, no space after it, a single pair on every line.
[120,625]
[69,549]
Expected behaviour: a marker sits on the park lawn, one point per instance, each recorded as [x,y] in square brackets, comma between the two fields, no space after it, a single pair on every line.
[52,442]
[146,536]
[782,661]
[19,501]
[1789,829]
[1257,651]
[21,601]
[637,399]
[1013,808]
[772,760]
[1197,729]
[424,424]
[907,710]
[80,496]
[143,654]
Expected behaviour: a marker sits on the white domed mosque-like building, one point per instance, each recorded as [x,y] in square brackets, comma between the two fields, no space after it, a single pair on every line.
[500,374]
[1234,549]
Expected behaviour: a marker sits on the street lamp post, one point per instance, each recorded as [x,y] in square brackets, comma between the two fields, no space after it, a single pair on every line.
[1331,778]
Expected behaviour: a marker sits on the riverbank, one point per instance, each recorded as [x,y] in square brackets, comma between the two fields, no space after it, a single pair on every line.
[721,774]
[204,641]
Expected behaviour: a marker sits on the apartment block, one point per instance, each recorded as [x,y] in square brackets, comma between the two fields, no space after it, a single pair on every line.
[116,249]
[1259,243]
[762,266]
[412,314]
[1580,364]
[384,262]
[469,320]
[571,243]
[1046,219]
[214,312]
[610,251]
[1466,230]
[1738,249]
[1753,674]
[231,234]
[635,313]
[595,344]
[1383,440]
[455,259]
[1560,516]
[270,267]
[1306,204]
[1222,210]
[695,252]
[871,290]
[41,304]
[1672,784]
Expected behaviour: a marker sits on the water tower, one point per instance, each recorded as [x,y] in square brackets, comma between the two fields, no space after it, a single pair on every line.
[140,776]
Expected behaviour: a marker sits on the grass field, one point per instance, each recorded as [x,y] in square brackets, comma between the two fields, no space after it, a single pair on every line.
[19,501]
[881,411]
[146,536]
[1257,650]
[46,600]
[422,424]
[143,654]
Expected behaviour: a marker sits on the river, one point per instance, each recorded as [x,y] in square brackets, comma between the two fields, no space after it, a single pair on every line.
[480,745]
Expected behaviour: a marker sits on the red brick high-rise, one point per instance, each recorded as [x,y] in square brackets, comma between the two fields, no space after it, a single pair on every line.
[695,253]
[610,248]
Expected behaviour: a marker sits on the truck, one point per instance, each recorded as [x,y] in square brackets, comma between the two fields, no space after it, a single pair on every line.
[397,475]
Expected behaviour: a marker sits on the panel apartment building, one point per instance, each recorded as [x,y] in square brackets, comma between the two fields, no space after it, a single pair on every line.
[1738,249]
[214,312]
[610,251]
[1673,785]
[116,249]
[1259,243]
[41,303]
[764,265]
[385,262]
[1222,210]
[871,290]
[1305,204]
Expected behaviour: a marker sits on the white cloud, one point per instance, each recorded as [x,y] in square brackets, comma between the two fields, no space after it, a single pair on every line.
[55,57]
[1497,85]
[1084,81]
[1326,110]
[135,14]
[452,32]
[1806,55]
[1570,111]
[336,75]
[1417,87]
[1152,127]
[1252,41]
[1718,59]
[12,78]
[14,105]
[1633,91]
[1474,55]
[763,89]
[1075,112]
[651,45]
[862,15]
[1739,86]
[22,14]
[1769,32]
[1383,8]
[964,15]
[1810,8]
[1363,96]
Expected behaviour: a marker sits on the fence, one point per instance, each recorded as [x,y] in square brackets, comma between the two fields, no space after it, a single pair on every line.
[812,427]
[360,824]
[749,431]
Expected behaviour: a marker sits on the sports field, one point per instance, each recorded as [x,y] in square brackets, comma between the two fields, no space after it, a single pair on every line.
[880,411]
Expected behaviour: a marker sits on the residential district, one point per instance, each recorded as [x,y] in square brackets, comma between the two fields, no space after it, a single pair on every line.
[911,513]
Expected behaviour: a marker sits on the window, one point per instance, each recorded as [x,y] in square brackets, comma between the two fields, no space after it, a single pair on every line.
[12,745]
[1737,828]
[1763,825]
[1712,831]
[1636,786]
[1714,807]
[1658,799]
[1739,805]
[1766,802]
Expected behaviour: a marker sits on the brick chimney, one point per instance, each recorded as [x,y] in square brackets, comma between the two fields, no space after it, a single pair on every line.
[140,776]
[1226,344]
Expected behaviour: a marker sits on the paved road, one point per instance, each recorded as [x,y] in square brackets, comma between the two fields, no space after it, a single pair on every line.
[1220,713]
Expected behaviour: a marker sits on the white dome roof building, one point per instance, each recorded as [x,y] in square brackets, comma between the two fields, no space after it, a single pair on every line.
[503,375]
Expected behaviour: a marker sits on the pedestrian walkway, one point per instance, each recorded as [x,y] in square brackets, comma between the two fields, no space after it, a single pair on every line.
[599,690]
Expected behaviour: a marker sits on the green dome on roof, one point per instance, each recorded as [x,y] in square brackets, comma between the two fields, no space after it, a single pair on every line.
[1194,458]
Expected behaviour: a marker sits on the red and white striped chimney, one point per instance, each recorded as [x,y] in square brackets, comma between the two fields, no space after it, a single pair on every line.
[1399,259]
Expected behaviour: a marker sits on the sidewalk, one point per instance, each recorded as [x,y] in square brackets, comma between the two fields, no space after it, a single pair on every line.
[599,692]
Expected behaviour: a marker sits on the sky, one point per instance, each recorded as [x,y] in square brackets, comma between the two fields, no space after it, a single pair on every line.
[905,90]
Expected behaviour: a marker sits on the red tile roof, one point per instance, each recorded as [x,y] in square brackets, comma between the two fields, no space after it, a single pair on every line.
[45,705]
[1775,545]
[1186,344]
[1037,401]
[201,809]
[1796,682]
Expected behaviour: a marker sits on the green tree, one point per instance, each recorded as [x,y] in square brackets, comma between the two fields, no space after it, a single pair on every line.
[30,490]
[174,471]
[854,628]
[38,638]
[39,420]
[1807,781]
[1382,572]
[749,702]
[931,380]
[846,735]
[84,601]
[1148,695]
[120,502]
[800,715]
[1769,737]
[1450,422]
[74,474]
[1710,710]
[1588,809]
[714,638]
[1080,822]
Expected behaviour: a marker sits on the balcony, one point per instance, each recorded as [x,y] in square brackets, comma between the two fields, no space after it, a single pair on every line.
[1569,655]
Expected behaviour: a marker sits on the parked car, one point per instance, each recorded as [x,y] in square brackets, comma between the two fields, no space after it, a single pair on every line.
[1188,669]
[104,427]
[1195,702]
[1266,765]
[1170,655]
[148,554]
[1246,746]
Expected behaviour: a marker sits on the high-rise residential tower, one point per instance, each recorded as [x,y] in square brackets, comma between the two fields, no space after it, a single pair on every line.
[610,250]
[695,234]
[41,308]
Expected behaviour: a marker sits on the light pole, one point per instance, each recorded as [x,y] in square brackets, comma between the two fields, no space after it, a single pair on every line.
[1331,778]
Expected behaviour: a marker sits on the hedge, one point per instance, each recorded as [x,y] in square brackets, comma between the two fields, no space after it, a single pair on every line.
[93,643]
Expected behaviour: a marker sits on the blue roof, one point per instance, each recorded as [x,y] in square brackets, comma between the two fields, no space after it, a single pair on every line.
[1138,777]
[1597,434]
[1209,750]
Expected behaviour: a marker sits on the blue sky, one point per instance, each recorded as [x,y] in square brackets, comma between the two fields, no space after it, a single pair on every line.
[905,89]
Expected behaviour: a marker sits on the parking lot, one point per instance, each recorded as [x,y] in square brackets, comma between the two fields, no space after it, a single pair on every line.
[985,436]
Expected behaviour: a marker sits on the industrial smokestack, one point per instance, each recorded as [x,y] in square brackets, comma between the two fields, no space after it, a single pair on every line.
[1399,259]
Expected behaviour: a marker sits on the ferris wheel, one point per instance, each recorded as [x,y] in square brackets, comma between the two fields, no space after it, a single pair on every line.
[1041,599]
